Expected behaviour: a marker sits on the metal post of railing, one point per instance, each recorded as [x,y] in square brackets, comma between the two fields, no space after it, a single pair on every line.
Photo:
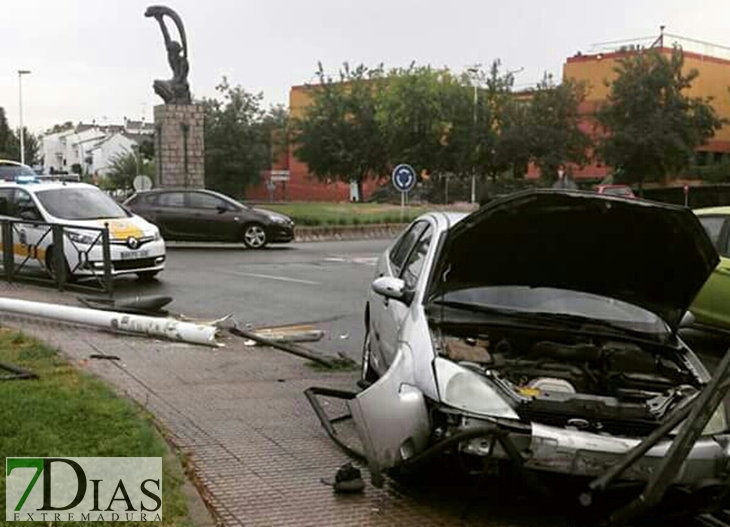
[8,254]
[59,256]
[106,251]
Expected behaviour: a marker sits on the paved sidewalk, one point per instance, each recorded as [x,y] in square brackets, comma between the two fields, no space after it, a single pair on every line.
[239,414]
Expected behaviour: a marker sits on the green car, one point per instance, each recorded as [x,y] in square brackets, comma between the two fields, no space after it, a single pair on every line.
[711,307]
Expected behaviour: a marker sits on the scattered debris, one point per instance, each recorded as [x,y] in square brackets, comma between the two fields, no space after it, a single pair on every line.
[289,347]
[139,305]
[168,328]
[17,373]
[104,357]
[348,480]
[305,333]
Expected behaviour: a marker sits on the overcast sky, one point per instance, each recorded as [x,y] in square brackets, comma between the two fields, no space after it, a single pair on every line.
[96,59]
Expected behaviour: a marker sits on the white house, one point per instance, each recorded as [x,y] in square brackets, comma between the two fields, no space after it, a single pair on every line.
[103,152]
[90,147]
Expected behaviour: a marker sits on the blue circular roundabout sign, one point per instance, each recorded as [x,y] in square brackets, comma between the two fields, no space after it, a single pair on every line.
[404,177]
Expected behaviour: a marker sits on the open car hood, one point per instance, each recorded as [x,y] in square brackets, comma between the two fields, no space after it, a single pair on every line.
[652,255]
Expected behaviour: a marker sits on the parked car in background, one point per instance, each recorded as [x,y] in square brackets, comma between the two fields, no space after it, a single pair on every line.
[537,324]
[616,190]
[204,215]
[711,307]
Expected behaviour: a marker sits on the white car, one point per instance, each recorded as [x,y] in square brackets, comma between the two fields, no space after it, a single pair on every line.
[83,210]
[540,329]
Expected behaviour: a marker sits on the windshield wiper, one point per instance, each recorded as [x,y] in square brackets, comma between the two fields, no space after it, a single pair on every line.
[579,322]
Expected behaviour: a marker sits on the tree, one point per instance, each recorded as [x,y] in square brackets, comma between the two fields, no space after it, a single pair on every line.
[125,166]
[339,136]
[651,126]
[553,133]
[237,145]
[10,143]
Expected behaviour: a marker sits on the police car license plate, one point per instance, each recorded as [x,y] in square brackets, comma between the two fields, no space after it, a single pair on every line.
[134,255]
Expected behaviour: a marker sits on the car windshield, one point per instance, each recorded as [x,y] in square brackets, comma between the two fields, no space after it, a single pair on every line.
[549,301]
[10,172]
[80,203]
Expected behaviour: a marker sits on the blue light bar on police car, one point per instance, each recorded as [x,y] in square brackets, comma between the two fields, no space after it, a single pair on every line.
[26,179]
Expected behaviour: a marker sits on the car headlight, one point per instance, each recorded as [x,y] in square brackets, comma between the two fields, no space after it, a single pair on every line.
[79,237]
[466,390]
[278,219]
[156,235]
[716,425]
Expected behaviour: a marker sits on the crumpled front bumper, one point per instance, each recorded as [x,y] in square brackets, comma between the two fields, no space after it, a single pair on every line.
[580,453]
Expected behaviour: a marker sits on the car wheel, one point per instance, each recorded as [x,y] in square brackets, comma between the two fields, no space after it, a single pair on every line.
[146,276]
[368,374]
[254,236]
[53,269]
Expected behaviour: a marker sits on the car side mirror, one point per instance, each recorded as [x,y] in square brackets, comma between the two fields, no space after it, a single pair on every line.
[393,288]
[688,320]
[29,214]
[221,209]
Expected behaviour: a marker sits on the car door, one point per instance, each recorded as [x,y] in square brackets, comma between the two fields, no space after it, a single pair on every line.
[402,263]
[168,212]
[712,304]
[211,217]
[30,240]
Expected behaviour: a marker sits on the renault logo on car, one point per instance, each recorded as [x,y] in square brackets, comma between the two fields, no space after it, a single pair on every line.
[132,242]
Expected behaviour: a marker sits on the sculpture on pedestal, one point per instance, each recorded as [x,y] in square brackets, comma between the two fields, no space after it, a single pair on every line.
[176,90]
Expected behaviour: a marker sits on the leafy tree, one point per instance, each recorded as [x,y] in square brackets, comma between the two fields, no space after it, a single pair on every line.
[125,166]
[10,143]
[652,126]
[413,118]
[340,136]
[7,138]
[237,146]
[552,132]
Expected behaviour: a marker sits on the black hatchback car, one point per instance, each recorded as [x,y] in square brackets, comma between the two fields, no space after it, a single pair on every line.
[197,214]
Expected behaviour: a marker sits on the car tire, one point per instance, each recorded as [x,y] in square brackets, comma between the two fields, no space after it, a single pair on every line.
[51,266]
[254,236]
[367,374]
[147,276]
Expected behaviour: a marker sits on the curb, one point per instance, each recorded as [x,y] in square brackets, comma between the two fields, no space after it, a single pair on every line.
[347,232]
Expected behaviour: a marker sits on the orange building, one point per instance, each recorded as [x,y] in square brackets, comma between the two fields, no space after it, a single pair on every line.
[597,69]
[302,186]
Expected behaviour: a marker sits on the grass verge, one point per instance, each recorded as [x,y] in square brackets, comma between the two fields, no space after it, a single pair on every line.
[70,413]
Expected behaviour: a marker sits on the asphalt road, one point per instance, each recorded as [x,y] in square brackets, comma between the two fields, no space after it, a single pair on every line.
[323,283]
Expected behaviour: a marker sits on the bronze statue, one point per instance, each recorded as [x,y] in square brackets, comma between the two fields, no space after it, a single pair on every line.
[175,90]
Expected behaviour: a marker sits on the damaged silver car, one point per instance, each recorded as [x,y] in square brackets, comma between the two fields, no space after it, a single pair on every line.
[541,329]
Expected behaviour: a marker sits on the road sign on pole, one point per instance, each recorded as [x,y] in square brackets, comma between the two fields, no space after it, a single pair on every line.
[404,179]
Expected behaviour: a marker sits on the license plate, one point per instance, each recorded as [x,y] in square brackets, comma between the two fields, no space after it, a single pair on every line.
[134,255]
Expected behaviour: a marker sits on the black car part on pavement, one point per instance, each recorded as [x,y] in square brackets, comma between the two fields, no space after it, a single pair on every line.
[16,373]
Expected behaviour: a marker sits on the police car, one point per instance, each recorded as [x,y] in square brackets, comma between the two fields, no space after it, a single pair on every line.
[83,210]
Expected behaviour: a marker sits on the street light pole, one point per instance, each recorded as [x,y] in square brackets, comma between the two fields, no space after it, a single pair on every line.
[474,70]
[20,104]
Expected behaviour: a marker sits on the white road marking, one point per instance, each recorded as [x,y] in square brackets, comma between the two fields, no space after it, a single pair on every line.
[362,260]
[272,277]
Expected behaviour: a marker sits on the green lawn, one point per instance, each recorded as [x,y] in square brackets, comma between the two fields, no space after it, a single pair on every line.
[73,414]
[346,213]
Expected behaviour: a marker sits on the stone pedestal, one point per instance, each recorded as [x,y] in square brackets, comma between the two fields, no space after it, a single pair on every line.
[179,145]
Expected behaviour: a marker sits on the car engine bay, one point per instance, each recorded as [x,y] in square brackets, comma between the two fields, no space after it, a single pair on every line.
[601,385]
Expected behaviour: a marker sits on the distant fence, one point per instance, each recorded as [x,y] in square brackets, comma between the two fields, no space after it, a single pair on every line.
[697,196]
